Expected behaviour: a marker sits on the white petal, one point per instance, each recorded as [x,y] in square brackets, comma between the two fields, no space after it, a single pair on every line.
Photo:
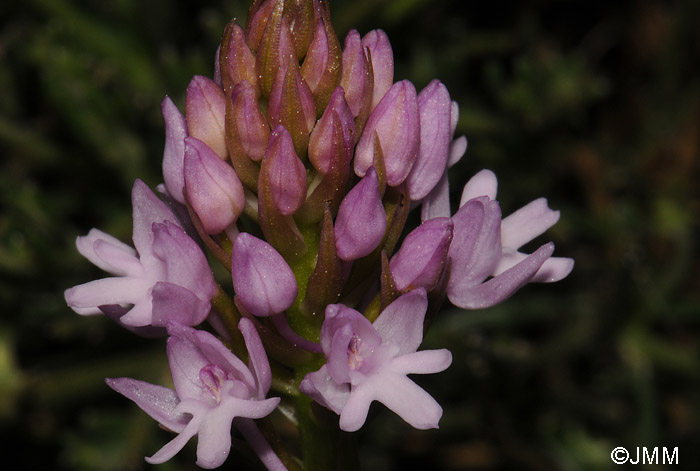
[527,223]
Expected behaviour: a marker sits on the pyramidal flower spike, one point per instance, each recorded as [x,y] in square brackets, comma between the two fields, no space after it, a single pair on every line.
[361,221]
[174,153]
[213,390]
[213,188]
[382,57]
[166,264]
[369,362]
[205,108]
[262,280]
[296,169]
[395,123]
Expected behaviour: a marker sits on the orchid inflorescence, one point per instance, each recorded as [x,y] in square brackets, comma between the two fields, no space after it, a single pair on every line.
[295,167]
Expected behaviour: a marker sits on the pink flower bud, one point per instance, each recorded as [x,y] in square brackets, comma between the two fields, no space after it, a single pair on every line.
[292,105]
[361,221]
[321,68]
[247,123]
[213,188]
[322,146]
[382,62]
[357,79]
[421,259]
[396,124]
[276,46]
[435,110]
[174,154]
[263,281]
[236,61]
[205,113]
[283,173]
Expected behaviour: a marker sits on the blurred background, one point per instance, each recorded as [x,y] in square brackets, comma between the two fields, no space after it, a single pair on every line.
[595,105]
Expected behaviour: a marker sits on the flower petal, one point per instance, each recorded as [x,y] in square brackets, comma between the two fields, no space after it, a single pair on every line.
[483,183]
[423,362]
[321,388]
[401,322]
[502,286]
[257,358]
[147,209]
[122,290]
[408,400]
[157,401]
[527,223]
[86,247]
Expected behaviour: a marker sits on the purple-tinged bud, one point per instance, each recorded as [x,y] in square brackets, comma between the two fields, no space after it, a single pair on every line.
[283,173]
[300,17]
[357,78]
[435,110]
[421,259]
[258,15]
[213,188]
[361,221]
[205,111]
[174,153]
[263,281]
[236,61]
[382,62]
[396,124]
[322,146]
[276,47]
[247,133]
[292,105]
[322,66]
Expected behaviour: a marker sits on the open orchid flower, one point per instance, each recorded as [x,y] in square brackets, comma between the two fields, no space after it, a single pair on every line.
[369,362]
[213,389]
[166,278]
[520,228]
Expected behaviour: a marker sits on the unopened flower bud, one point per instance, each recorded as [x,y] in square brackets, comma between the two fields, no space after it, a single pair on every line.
[205,113]
[276,47]
[258,15]
[421,259]
[248,123]
[213,188]
[283,173]
[382,62]
[357,78]
[396,124]
[236,61]
[263,281]
[322,145]
[322,66]
[292,105]
[300,17]
[174,153]
[361,221]
[435,111]
[247,133]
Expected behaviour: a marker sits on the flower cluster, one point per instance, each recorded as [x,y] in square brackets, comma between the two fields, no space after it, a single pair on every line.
[295,167]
